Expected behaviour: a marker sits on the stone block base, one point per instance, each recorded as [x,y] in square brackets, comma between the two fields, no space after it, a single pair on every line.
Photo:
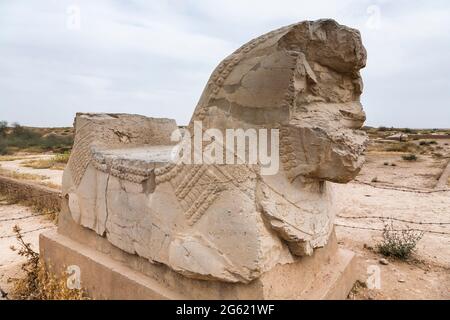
[109,273]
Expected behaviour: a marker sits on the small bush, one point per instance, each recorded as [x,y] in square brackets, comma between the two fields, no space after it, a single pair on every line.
[409,157]
[398,243]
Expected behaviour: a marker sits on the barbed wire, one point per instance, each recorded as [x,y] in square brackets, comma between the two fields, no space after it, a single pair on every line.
[395,219]
[22,218]
[57,193]
[399,230]
[401,189]
[29,231]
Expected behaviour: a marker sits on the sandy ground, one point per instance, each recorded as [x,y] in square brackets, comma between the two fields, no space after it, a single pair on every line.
[49,176]
[427,170]
[427,275]
[31,224]
[406,191]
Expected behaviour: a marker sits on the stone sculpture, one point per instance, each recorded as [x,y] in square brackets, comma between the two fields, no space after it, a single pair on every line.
[230,223]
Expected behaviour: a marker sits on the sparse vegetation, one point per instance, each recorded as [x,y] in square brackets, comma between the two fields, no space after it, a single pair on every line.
[39,283]
[427,143]
[57,162]
[407,130]
[402,147]
[19,138]
[409,157]
[46,210]
[382,129]
[62,157]
[398,243]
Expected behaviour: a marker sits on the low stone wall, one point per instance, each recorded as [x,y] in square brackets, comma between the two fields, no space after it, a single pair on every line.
[41,197]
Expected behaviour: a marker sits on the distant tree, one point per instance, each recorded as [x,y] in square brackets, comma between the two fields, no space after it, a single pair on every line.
[407,130]
[3,127]
[17,129]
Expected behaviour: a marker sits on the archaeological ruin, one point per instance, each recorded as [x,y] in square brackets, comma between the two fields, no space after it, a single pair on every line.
[140,225]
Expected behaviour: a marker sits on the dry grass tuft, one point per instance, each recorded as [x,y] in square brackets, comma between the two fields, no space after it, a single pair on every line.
[37,164]
[57,162]
[39,283]
[50,185]
[21,176]
[36,207]
[357,288]
[10,158]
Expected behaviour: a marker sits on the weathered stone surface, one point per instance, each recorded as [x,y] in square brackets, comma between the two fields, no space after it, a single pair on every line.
[230,222]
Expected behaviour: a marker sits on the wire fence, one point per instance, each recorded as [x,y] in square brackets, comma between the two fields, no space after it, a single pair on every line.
[22,218]
[401,189]
[381,218]
[27,231]
[399,230]
[394,219]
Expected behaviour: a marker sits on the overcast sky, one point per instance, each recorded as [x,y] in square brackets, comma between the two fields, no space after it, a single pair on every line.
[154,57]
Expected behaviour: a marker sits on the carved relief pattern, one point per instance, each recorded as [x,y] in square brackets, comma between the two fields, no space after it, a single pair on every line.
[81,152]
[123,171]
[198,186]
